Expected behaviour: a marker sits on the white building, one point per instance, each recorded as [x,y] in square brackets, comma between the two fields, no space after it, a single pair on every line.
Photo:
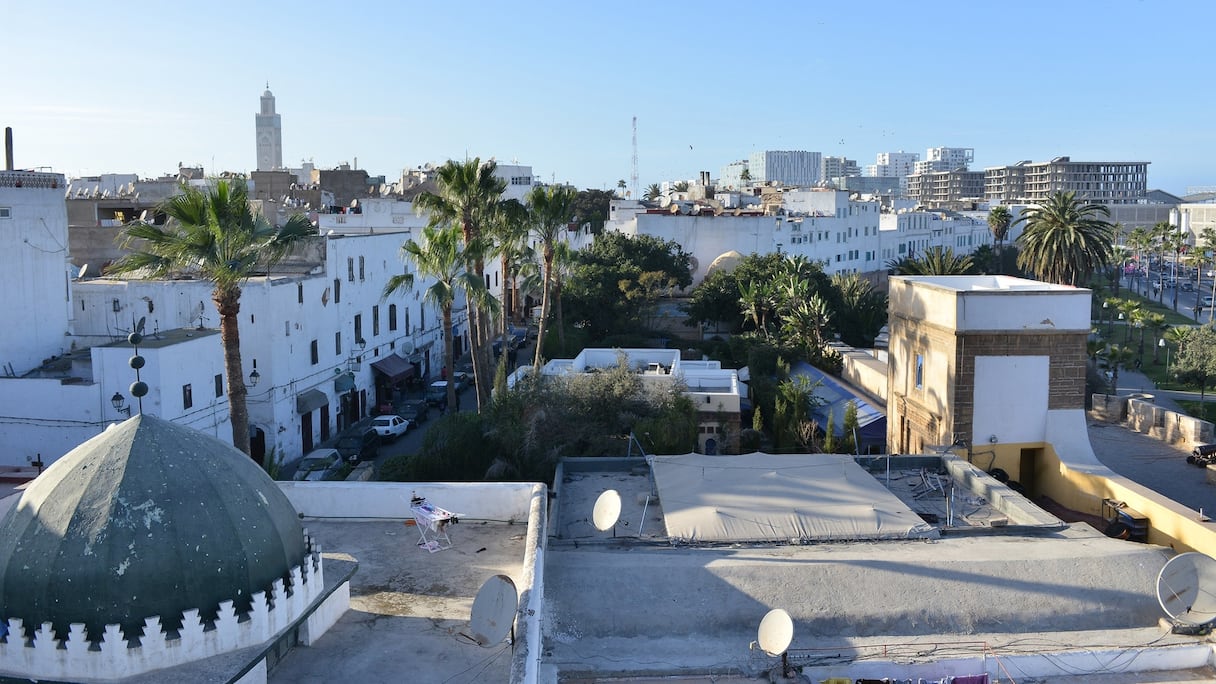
[893,164]
[945,159]
[731,175]
[35,277]
[838,167]
[796,168]
[715,391]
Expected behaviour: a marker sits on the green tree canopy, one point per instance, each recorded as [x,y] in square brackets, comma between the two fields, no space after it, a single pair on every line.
[591,206]
[1066,240]
[934,260]
[592,294]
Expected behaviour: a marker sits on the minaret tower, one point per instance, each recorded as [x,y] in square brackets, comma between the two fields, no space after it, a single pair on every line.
[269,130]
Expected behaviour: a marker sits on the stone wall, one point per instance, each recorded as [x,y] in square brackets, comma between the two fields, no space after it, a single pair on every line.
[1140,413]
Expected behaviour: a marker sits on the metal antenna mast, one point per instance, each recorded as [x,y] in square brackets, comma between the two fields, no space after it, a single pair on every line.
[634,178]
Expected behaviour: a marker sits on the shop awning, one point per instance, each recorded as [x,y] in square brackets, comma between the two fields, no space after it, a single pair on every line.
[344,383]
[310,400]
[394,368]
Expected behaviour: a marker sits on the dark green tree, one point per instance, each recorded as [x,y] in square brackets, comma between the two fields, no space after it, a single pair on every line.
[591,206]
[1066,239]
[933,261]
[592,297]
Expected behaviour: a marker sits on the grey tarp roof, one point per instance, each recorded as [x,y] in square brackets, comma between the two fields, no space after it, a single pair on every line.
[778,498]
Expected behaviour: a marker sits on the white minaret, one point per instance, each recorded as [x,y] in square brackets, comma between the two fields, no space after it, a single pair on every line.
[270,135]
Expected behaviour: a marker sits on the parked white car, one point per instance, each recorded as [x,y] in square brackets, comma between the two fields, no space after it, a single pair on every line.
[322,464]
[390,427]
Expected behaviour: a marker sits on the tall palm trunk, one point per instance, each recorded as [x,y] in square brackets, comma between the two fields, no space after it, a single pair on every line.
[545,303]
[228,304]
[559,319]
[449,357]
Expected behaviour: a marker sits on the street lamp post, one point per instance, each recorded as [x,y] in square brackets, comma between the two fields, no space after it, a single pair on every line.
[1109,319]
[1161,343]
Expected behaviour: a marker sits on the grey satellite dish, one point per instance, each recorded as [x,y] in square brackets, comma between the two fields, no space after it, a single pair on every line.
[774,637]
[407,347]
[607,510]
[776,632]
[1186,589]
[493,611]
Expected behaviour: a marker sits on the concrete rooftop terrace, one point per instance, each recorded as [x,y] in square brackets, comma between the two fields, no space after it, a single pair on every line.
[1047,602]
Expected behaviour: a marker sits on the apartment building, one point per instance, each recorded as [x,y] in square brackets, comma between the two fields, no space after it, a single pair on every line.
[791,168]
[954,189]
[1103,182]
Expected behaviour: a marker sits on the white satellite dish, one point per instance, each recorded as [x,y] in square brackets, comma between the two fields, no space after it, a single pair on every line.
[84,272]
[776,632]
[1186,589]
[493,611]
[607,510]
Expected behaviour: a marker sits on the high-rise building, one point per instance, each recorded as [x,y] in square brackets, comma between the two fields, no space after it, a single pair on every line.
[1101,182]
[795,168]
[838,167]
[945,159]
[269,131]
[893,164]
[946,189]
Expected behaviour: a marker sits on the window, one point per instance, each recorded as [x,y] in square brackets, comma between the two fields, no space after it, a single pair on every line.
[360,269]
[316,357]
[337,344]
[422,316]
[392,317]
[187,397]
[6,212]
[350,269]
[300,293]
[920,371]
[375,321]
[358,327]
[219,385]
[337,290]
[407,319]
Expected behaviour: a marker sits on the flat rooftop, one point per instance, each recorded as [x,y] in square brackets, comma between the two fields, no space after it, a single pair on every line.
[409,608]
[636,604]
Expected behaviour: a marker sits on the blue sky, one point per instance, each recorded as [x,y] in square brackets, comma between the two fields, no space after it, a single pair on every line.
[137,87]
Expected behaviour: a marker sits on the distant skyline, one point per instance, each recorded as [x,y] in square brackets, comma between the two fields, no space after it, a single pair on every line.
[138,87]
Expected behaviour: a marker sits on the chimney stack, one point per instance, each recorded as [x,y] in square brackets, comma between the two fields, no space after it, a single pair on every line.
[8,148]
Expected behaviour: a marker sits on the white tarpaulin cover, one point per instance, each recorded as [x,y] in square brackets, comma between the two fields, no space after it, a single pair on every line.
[778,498]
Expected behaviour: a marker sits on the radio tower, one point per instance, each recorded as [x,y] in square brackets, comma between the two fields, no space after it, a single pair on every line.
[633,179]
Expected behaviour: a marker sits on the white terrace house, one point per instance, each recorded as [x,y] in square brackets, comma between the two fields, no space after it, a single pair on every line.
[717,392]
[300,330]
[845,235]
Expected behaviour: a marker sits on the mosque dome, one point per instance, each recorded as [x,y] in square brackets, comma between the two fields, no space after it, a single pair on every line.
[726,261]
[149,518]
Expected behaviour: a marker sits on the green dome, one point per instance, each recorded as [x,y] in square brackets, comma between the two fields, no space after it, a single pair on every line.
[147,518]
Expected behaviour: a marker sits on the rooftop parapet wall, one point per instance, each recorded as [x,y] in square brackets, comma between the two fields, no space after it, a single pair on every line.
[31,179]
[115,655]
[984,303]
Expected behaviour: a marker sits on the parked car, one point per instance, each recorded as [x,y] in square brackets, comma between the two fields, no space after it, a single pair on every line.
[415,411]
[1187,286]
[1206,302]
[360,444]
[390,426]
[322,464]
[437,393]
[519,335]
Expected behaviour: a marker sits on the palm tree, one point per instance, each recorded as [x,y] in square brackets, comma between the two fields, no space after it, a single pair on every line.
[1064,241]
[551,210]
[998,222]
[213,235]
[1117,357]
[467,196]
[620,186]
[653,192]
[1140,240]
[440,258]
[563,264]
[745,176]
[934,261]
[509,228]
